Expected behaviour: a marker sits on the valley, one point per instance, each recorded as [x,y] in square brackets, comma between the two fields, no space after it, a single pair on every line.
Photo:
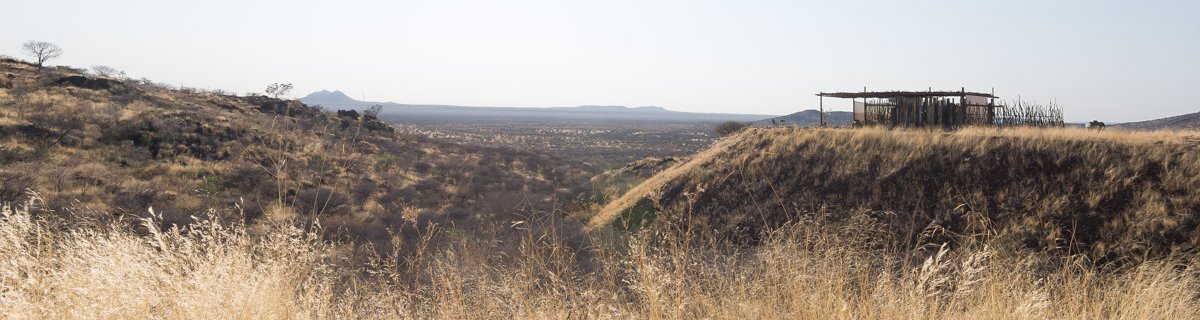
[588,216]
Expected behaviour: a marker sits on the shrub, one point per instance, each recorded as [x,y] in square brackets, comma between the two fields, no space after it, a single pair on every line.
[422,167]
[322,201]
[729,127]
[15,187]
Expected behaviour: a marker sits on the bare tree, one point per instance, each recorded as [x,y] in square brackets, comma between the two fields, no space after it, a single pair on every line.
[372,112]
[54,127]
[279,89]
[42,51]
[107,72]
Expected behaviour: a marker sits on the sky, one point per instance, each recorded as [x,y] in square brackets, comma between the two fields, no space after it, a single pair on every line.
[1112,61]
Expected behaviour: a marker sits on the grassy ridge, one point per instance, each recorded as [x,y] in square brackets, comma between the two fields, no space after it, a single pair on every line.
[1111,194]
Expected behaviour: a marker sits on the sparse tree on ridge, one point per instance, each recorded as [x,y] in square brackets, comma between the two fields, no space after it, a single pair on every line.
[107,72]
[41,51]
[277,90]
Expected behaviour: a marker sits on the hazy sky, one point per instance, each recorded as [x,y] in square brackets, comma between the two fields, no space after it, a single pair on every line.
[1106,60]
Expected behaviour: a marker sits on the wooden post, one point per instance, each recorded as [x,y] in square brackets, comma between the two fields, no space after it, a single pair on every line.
[822,109]
[992,108]
[962,103]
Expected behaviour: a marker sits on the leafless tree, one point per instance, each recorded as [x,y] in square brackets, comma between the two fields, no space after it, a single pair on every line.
[372,112]
[56,126]
[42,51]
[107,72]
[277,90]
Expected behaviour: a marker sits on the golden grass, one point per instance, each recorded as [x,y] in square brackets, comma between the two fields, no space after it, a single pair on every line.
[807,270]
[1075,134]
[626,201]
[1132,191]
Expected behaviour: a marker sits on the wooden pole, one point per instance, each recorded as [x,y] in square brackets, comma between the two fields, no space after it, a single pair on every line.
[992,107]
[822,109]
[962,102]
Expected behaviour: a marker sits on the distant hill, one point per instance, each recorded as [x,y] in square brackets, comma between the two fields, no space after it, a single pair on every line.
[437,113]
[332,98]
[1189,121]
[810,118]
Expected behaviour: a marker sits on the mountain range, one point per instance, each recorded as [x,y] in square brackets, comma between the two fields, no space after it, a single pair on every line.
[592,113]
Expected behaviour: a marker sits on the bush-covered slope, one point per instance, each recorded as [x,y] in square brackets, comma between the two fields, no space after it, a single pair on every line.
[118,146]
[1059,189]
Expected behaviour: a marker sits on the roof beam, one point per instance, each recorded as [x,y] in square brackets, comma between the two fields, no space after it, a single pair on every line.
[896,94]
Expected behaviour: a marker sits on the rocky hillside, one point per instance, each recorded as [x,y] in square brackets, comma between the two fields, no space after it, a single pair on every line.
[1189,121]
[1109,194]
[104,147]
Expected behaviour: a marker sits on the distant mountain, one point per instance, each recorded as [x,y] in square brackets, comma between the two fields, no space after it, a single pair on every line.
[809,118]
[1189,121]
[330,98]
[589,113]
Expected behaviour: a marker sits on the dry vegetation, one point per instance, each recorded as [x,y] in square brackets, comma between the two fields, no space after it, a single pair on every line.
[1112,195]
[90,143]
[611,143]
[809,269]
[265,208]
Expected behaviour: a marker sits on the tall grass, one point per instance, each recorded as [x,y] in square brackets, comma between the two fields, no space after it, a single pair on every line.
[809,269]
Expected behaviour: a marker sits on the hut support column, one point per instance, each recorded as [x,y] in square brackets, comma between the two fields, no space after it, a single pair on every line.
[962,104]
[822,110]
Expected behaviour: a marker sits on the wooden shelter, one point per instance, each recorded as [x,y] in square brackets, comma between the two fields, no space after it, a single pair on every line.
[948,109]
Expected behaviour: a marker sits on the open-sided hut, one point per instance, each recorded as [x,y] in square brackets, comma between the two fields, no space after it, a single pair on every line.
[949,109]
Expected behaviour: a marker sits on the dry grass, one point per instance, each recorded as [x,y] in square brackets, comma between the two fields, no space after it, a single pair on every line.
[811,269]
[917,141]
[1112,194]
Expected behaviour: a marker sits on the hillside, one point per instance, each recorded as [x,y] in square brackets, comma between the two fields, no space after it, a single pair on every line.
[1107,194]
[105,147]
[610,184]
[809,118]
[1189,121]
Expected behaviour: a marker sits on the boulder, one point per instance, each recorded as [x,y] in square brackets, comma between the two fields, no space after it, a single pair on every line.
[87,83]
